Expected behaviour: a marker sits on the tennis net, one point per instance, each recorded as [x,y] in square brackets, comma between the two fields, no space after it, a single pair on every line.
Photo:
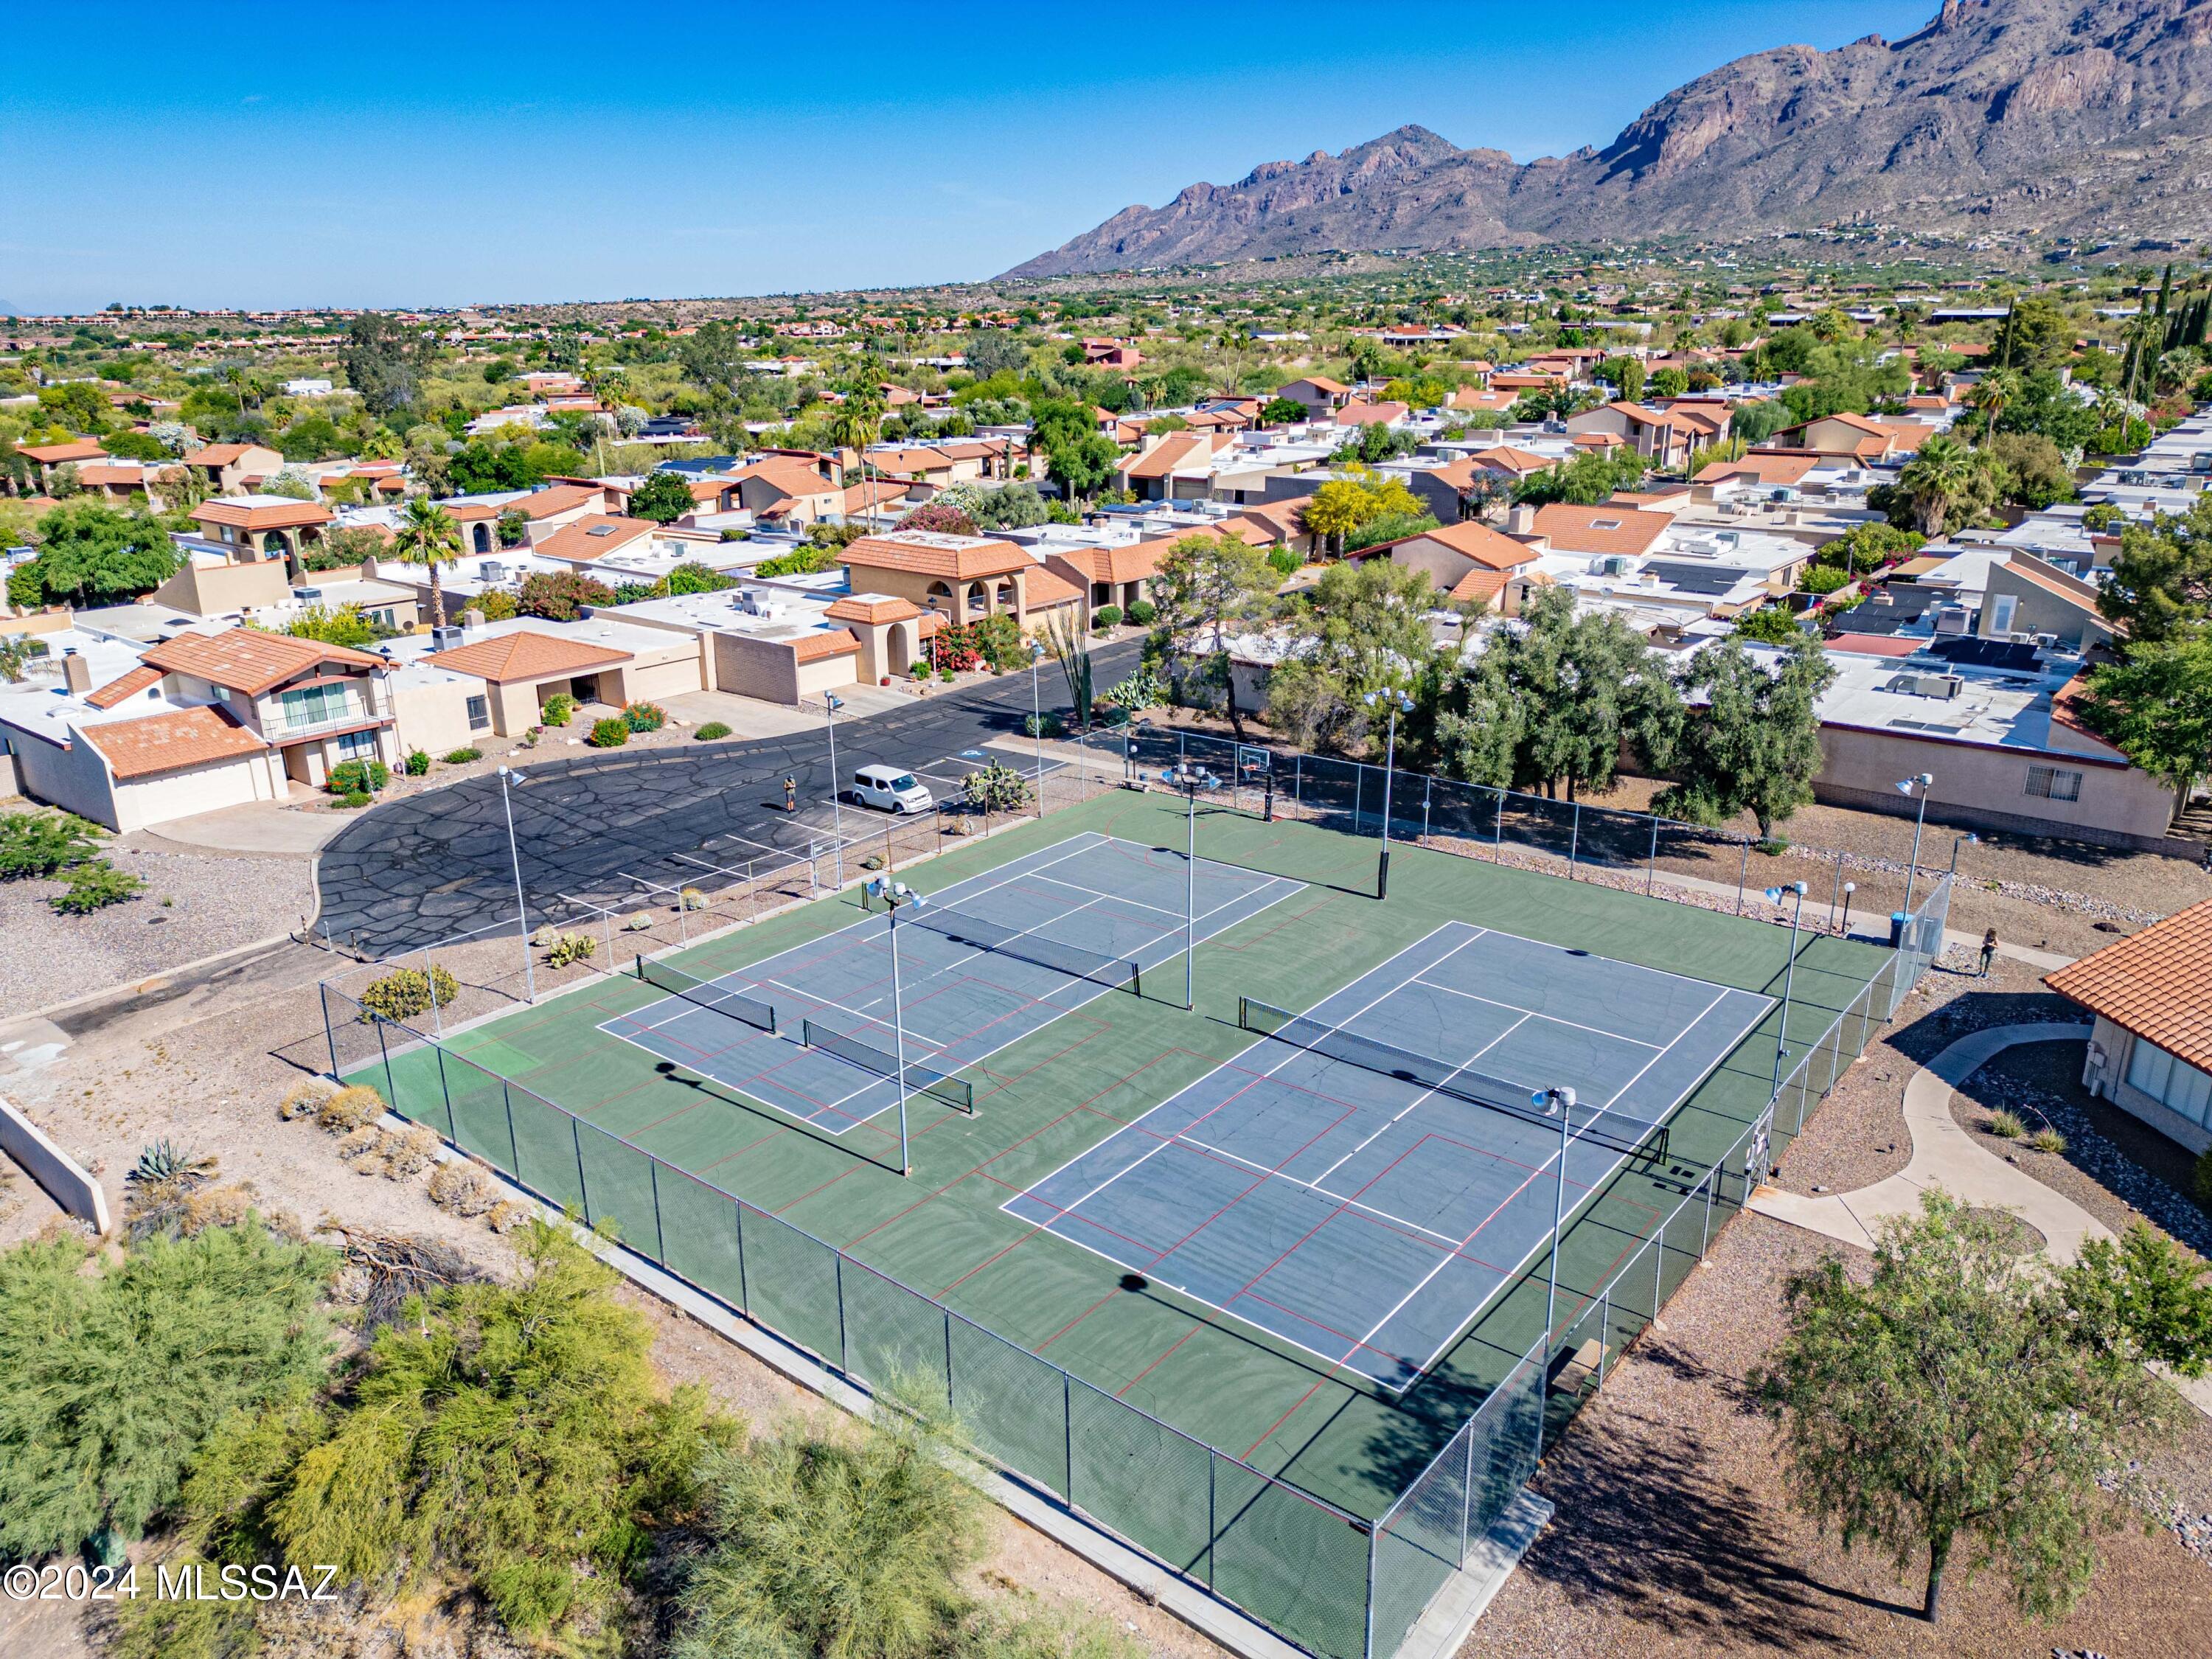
[957,1092]
[1631,1136]
[1115,972]
[705,994]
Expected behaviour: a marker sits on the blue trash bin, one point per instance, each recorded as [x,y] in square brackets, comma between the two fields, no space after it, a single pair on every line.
[1898,919]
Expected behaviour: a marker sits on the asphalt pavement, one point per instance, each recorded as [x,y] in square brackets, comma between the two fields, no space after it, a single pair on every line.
[417,872]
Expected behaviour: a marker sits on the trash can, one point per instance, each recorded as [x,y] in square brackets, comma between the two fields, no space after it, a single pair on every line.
[1898,919]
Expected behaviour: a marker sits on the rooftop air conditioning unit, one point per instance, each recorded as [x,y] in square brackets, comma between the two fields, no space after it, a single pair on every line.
[1951,619]
[308,595]
[2045,641]
[493,571]
[445,639]
[1613,564]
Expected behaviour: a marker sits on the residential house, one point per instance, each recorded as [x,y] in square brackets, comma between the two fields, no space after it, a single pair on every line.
[498,677]
[2150,1050]
[785,490]
[1469,562]
[1149,475]
[543,513]
[1363,413]
[962,578]
[226,469]
[1666,437]
[1862,438]
[1320,396]
[1117,574]
[50,458]
[249,528]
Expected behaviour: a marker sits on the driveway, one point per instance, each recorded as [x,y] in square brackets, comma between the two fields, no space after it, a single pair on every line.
[418,871]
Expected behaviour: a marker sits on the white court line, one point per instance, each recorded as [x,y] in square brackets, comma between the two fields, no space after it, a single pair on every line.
[1425,1096]
[1118,898]
[1291,1052]
[1345,1200]
[857,1014]
[1537,1013]
[1662,1054]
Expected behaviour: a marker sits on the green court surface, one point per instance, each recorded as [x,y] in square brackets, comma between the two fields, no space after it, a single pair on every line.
[1060,1089]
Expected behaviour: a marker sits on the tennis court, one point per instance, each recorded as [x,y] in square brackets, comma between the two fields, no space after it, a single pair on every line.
[982,963]
[1361,1182]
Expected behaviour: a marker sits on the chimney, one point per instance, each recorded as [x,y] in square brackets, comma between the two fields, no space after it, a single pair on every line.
[1522,520]
[77,673]
[472,618]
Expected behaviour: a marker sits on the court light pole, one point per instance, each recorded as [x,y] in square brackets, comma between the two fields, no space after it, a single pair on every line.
[830,705]
[1399,703]
[1190,895]
[1850,888]
[1969,839]
[1924,781]
[1560,1102]
[1774,896]
[1037,719]
[895,893]
[521,910]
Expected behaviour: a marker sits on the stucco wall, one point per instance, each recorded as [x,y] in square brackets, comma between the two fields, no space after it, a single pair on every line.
[827,673]
[1977,785]
[754,668]
[210,590]
[2110,1081]
[72,778]
[646,678]
[196,789]
[434,717]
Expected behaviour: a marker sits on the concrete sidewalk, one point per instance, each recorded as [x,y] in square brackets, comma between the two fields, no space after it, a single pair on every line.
[1946,1156]
[268,828]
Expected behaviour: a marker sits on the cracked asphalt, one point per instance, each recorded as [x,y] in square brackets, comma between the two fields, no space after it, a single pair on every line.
[419,871]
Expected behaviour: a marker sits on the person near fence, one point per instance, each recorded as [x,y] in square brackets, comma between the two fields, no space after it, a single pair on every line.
[1989,951]
[790,794]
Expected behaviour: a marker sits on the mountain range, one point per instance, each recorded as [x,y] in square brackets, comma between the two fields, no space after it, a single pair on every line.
[2066,118]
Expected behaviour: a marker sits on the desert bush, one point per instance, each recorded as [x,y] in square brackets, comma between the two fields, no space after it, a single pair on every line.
[2047,1141]
[558,710]
[642,717]
[305,1098]
[611,732]
[349,1109]
[357,777]
[44,843]
[571,948]
[1106,616]
[2006,1125]
[406,992]
[94,885]
[711,730]
[162,1186]
[507,1216]
[1142,614]
[417,762]
[463,1188]
[997,788]
[354,799]
[113,1374]
[462,755]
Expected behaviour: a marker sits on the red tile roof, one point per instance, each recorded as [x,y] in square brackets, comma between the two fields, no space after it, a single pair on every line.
[1479,542]
[76,449]
[1573,529]
[594,537]
[270,512]
[248,659]
[926,553]
[830,642]
[524,654]
[126,685]
[873,608]
[170,742]
[2157,984]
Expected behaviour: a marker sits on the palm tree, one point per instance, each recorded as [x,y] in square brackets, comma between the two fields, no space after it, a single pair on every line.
[427,536]
[1995,391]
[1935,479]
[854,426]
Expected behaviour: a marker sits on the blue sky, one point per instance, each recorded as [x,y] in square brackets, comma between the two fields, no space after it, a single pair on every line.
[368,154]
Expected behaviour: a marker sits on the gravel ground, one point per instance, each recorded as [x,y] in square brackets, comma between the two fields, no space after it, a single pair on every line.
[1673,1536]
[213,903]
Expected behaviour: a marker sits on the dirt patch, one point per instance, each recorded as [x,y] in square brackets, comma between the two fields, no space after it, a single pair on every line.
[1674,1534]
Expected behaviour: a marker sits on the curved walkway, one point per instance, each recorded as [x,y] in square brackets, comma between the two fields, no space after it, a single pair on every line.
[1944,1155]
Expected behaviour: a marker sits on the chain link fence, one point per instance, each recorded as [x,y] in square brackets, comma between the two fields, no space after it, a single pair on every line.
[1344,1586]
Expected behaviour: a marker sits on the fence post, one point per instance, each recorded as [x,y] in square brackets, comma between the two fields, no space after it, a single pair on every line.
[1604,1329]
[1651,866]
[583,1190]
[1743,871]
[383,1053]
[1367,1637]
[329,1034]
[1067,1439]
[1298,783]
[745,1294]
[514,1151]
[430,979]
[844,1342]
[1428,788]
[1498,836]
[1658,1268]
[1466,1492]
[1575,841]
[1712,1180]
[659,1233]
[948,1358]
[445,1093]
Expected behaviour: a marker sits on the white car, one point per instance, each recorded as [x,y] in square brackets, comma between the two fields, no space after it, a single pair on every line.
[889,789]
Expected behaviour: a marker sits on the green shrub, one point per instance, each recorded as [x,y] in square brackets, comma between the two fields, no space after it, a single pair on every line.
[1106,616]
[417,762]
[645,716]
[2047,1141]
[356,777]
[461,756]
[1823,579]
[514,1436]
[43,843]
[1043,725]
[997,788]
[112,1375]
[712,730]
[2203,1180]
[2006,1125]
[611,732]
[1144,612]
[354,799]
[406,992]
[1282,561]
[1142,689]
[559,709]
[94,885]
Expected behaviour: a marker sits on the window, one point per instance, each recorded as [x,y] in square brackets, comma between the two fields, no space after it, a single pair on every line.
[479,714]
[2172,1083]
[317,705]
[357,745]
[2054,783]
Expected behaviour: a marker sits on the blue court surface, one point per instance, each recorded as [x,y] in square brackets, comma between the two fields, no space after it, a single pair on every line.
[1048,914]
[1367,1218]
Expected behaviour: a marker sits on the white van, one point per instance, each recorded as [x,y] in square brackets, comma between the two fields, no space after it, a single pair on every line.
[889,789]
